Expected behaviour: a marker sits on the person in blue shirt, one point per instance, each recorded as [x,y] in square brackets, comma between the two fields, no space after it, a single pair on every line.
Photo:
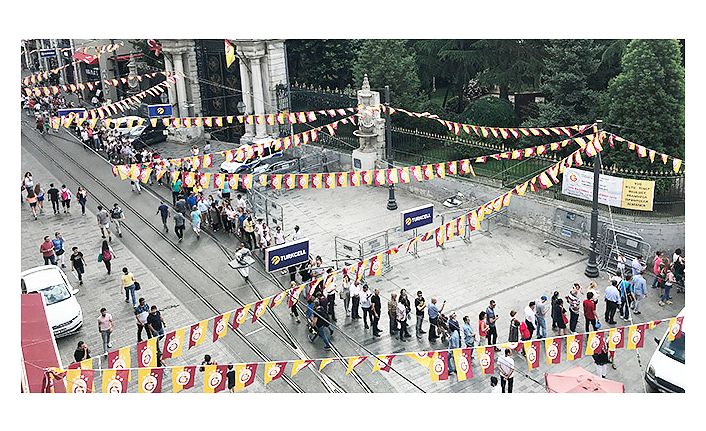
[163,211]
[639,286]
[626,296]
[58,242]
[225,193]
[612,300]
[434,312]
[468,336]
[454,343]
[196,221]
[191,200]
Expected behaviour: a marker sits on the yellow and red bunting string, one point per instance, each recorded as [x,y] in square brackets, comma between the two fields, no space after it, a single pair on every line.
[575,346]
[91,85]
[42,76]
[645,152]
[379,177]
[496,132]
[302,117]
[99,49]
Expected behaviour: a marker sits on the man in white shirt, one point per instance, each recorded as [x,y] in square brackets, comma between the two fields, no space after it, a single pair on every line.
[355,299]
[240,202]
[494,387]
[365,304]
[638,265]
[506,367]
[296,234]
[279,235]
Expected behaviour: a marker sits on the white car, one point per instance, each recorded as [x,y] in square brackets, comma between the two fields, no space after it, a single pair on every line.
[256,165]
[63,311]
[666,371]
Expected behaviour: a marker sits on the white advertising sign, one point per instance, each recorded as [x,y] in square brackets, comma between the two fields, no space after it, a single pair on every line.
[579,184]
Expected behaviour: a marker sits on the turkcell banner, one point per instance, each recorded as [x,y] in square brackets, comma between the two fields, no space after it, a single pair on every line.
[286,255]
[417,217]
[614,191]
[46,53]
[80,112]
[159,111]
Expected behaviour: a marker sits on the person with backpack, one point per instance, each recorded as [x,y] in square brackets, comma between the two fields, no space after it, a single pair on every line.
[668,276]
[81,195]
[127,283]
[103,219]
[116,214]
[65,195]
[655,268]
[106,254]
[59,251]
[627,296]
[525,333]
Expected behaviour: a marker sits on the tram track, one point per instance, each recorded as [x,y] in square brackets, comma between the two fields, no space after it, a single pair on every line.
[289,340]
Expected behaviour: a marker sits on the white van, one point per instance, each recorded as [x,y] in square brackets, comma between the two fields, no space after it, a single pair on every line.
[666,371]
[63,311]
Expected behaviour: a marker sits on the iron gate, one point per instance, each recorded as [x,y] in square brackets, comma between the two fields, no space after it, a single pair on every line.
[630,244]
[261,204]
[570,226]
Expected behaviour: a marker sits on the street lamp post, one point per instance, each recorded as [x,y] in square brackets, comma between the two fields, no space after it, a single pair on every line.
[592,265]
[391,203]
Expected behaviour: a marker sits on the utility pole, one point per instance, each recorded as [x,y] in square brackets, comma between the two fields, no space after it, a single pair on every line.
[592,265]
[391,203]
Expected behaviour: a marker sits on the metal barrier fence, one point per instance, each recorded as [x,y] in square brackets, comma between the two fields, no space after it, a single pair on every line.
[630,244]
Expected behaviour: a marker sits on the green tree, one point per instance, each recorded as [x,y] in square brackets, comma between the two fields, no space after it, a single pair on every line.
[321,62]
[490,111]
[390,62]
[511,64]
[567,68]
[647,100]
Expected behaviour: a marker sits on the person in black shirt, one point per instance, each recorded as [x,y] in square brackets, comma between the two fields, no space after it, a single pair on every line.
[155,323]
[82,352]
[53,193]
[420,304]
[375,310]
[230,376]
[77,263]
[321,322]
[163,211]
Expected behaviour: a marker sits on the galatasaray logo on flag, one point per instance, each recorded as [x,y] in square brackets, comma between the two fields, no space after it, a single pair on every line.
[367,177]
[274,370]
[241,314]
[198,333]
[636,336]
[173,344]
[214,380]
[553,350]
[220,326]
[147,351]
[616,340]
[485,359]
[594,343]
[462,358]
[183,378]
[244,375]
[79,381]
[532,352]
[115,381]
[675,326]
[150,380]
[260,308]
[574,347]
[439,368]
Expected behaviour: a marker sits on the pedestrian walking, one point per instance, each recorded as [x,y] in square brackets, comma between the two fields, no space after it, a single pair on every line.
[47,250]
[514,335]
[469,337]
[375,312]
[156,324]
[82,195]
[612,299]
[293,309]
[454,343]
[601,360]
[39,192]
[28,182]
[626,296]
[127,283]
[53,193]
[482,328]
[506,368]
[668,276]
[559,315]
[419,306]
[531,317]
[32,201]
[356,291]
[345,292]
[58,243]
[589,311]
[82,352]
[574,306]
[639,286]
[434,312]
[163,211]
[176,191]
[555,296]
[330,293]
[78,264]
[142,310]
[392,312]
[196,221]
[492,318]
[655,268]
[541,314]
[321,324]
[638,264]
[179,225]
[65,196]
[103,219]
[365,304]
[117,216]
[106,255]
[105,328]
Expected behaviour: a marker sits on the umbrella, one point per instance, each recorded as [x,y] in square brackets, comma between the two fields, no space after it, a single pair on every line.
[578,380]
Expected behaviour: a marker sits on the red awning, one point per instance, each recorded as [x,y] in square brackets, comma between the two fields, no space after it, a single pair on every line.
[86,58]
[38,347]
[578,380]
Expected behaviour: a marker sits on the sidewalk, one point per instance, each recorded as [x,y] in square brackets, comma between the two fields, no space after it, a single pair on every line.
[100,290]
[510,265]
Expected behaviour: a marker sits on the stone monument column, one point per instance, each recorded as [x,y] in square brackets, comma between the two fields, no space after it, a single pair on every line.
[371,129]
[181,87]
[258,97]
[246,88]
[170,70]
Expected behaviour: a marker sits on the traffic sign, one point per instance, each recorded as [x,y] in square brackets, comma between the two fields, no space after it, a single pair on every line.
[46,53]
[286,255]
[159,111]
[417,217]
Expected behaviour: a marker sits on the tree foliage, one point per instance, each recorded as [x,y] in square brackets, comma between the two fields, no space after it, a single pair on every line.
[322,62]
[390,62]
[646,100]
[491,111]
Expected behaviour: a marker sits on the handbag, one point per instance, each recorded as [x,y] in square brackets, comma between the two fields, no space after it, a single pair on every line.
[564,318]
[137,286]
[100,257]
[60,252]
[598,324]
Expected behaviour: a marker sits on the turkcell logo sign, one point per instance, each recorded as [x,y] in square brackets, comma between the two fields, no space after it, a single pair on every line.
[286,255]
[159,111]
[46,53]
[417,217]
[78,112]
